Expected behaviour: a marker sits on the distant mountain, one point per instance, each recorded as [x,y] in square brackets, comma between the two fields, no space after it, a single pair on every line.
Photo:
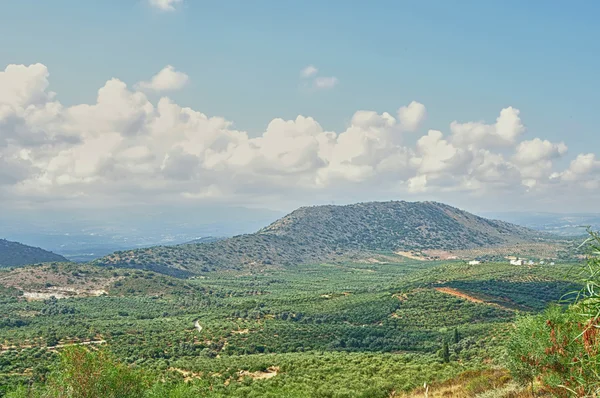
[13,254]
[320,233]
[572,224]
[83,235]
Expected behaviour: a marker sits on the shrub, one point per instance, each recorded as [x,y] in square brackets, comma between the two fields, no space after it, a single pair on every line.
[88,374]
[561,347]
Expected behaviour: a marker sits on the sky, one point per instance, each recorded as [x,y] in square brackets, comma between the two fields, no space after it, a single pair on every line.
[489,106]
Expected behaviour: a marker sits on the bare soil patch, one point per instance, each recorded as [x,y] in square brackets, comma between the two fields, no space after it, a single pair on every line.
[44,282]
[468,297]
[259,375]
[412,255]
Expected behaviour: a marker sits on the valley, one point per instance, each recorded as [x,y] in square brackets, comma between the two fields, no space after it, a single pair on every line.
[320,303]
[390,318]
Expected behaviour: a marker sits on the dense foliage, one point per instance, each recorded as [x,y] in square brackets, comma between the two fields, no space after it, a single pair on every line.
[311,330]
[83,373]
[561,347]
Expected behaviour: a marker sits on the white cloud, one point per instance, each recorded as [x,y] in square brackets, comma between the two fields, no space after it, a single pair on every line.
[124,146]
[318,82]
[585,168]
[165,5]
[309,71]
[24,85]
[168,79]
[435,153]
[505,132]
[534,158]
[537,150]
[325,83]
[412,116]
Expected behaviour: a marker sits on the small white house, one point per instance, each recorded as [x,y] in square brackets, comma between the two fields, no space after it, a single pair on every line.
[474,262]
[516,262]
[542,262]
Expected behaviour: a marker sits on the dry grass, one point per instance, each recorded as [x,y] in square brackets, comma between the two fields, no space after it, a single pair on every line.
[491,383]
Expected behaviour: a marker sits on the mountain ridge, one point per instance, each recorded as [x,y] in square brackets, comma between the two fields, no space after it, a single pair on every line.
[15,254]
[325,233]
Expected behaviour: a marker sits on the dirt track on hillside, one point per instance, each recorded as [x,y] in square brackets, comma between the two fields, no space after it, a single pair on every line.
[465,296]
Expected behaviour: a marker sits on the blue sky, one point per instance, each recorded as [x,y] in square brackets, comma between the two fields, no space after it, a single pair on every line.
[464,60]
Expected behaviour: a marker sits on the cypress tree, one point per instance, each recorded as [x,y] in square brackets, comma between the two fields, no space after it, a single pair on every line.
[445,353]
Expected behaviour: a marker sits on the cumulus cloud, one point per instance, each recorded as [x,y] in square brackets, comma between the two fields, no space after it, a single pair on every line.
[24,85]
[123,146]
[165,5]
[584,171]
[504,133]
[537,150]
[534,158]
[168,79]
[412,115]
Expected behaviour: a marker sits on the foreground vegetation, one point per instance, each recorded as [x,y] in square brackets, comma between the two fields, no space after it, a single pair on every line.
[560,348]
[330,330]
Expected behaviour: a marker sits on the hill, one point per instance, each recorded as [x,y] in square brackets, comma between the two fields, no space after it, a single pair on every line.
[14,254]
[72,280]
[326,233]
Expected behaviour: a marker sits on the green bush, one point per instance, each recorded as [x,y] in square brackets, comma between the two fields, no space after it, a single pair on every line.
[561,347]
[88,374]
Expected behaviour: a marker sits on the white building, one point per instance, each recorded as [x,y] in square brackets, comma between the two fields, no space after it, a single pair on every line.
[474,262]
[516,262]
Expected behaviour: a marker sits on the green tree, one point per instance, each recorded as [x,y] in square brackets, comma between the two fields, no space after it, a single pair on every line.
[456,336]
[445,352]
[89,374]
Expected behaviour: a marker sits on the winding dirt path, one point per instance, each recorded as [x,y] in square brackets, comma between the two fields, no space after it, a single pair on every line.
[465,296]
[4,349]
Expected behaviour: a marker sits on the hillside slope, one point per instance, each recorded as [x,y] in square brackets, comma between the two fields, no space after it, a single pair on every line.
[14,254]
[68,280]
[320,233]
